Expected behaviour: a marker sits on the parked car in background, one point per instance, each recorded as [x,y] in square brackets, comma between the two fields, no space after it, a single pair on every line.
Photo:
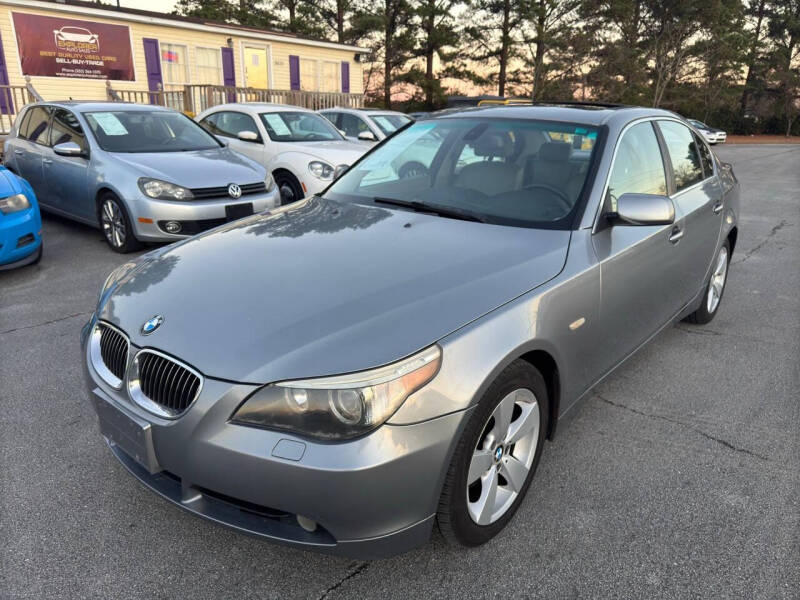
[20,222]
[300,148]
[140,173]
[366,124]
[410,343]
[710,134]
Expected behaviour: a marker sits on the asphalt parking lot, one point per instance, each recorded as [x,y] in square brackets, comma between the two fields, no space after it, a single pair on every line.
[679,477]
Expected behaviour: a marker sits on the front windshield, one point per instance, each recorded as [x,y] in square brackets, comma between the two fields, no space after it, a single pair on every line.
[388,124]
[506,171]
[291,126]
[148,131]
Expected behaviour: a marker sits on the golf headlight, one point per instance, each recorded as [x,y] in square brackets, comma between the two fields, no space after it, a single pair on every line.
[14,203]
[321,170]
[269,182]
[339,407]
[163,190]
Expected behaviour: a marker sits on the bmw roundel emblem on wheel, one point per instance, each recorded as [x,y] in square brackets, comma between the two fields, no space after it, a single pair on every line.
[152,324]
[234,191]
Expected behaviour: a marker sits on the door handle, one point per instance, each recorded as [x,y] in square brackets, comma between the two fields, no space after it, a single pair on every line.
[717,208]
[20,152]
[675,235]
[47,161]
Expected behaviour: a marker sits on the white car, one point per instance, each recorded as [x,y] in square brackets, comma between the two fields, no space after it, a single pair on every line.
[366,124]
[75,34]
[710,134]
[299,147]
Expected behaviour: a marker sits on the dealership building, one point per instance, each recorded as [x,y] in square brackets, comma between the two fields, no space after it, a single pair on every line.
[81,50]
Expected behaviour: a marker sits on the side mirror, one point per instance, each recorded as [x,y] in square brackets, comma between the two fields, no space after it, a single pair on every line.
[644,209]
[68,149]
[367,136]
[339,171]
[343,132]
[248,136]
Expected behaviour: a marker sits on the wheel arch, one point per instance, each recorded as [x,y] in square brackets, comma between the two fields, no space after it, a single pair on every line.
[733,235]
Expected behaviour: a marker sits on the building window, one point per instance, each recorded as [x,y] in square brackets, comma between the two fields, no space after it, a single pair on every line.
[330,76]
[174,63]
[209,66]
[308,75]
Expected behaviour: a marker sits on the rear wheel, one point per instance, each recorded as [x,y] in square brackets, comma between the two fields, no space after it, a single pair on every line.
[496,457]
[715,288]
[116,225]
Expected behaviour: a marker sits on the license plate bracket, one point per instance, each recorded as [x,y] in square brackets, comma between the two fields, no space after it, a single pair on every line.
[238,211]
[132,435]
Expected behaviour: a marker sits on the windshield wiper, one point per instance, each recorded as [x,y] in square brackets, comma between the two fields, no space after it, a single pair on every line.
[437,209]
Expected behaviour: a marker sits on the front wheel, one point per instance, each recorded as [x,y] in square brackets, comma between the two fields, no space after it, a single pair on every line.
[496,457]
[289,187]
[116,225]
[715,288]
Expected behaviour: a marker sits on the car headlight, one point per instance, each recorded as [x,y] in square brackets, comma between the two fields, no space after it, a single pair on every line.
[269,182]
[14,203]
[339,407]
[163,190]
[321,170]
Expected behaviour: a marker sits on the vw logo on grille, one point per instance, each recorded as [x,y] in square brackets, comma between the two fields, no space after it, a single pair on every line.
[234,191]
[152,324]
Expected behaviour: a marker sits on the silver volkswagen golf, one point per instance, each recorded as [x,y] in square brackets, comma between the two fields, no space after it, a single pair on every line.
[412,341]
[140,173]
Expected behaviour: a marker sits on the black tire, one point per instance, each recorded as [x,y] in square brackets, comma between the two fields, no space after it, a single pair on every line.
[122,240]
[704,314]
[455,522]
[412,169]
[288,186]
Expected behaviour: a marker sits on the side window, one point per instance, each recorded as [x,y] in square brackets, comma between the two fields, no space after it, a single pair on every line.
[705,157]
[333,117]
[352,125]
[67,128]
[638,166]
[37,126]
[683,154]
[209,123]
[231,123]
[23,124]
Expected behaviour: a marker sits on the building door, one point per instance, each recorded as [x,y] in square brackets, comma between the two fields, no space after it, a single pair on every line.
[255,67]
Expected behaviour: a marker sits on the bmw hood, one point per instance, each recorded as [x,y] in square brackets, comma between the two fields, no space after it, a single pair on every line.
[339,152]
[195,169]
[325,287]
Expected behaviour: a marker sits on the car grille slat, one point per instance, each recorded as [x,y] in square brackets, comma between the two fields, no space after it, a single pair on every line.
[222,191]
[168,387]
[113,350]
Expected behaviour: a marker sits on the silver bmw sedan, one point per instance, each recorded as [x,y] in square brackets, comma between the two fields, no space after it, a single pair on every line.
[416,334]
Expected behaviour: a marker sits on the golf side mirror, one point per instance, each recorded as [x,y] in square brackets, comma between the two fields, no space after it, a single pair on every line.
[68,149]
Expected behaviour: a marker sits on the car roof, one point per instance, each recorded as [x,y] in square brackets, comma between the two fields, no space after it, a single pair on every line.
[589,114]
[94,105]
[372,112]
[256,107]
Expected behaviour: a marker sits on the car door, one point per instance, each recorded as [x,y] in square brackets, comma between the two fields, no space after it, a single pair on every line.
[228,124]
[641,265]
[699,196]
[30,148]
[66,177]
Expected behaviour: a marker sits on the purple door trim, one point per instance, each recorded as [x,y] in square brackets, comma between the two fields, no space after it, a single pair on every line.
[152,61]
[294,72]
[6,101]
[345,77]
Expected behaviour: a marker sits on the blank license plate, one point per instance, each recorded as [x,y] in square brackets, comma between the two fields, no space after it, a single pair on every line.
[133,436]
[237,211]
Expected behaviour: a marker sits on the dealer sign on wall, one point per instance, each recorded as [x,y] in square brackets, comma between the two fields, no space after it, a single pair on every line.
[56,47]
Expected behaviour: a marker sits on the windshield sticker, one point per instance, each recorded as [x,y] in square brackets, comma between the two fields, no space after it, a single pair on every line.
[276,122]
[109,123]
[580,131]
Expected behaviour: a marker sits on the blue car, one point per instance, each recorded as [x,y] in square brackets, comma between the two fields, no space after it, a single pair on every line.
[20,222]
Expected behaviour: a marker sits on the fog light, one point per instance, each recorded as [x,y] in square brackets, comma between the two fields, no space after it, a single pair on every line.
[172,226]
[306,523]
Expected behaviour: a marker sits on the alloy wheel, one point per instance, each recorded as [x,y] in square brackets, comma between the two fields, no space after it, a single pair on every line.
[287,193]
[717,283]
[503,457]
[113,223]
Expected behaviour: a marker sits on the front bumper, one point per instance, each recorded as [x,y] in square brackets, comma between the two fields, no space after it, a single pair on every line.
[20,238]
[198,215]
[371,497]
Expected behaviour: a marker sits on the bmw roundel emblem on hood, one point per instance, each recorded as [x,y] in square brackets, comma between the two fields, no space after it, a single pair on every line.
[234,191]
[152,324]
